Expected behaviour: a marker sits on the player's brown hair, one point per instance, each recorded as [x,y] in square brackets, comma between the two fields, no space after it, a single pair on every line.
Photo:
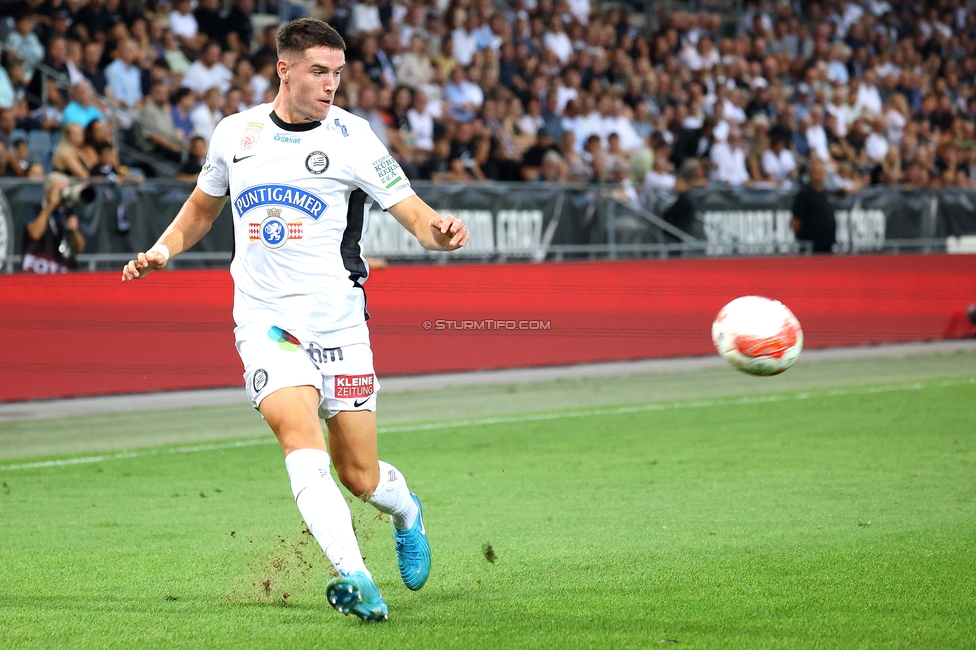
[301,34]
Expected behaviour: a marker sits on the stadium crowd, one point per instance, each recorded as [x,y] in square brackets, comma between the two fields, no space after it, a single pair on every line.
[535,90]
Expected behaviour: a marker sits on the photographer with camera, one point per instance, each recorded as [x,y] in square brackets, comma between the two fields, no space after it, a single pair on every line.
[52,239]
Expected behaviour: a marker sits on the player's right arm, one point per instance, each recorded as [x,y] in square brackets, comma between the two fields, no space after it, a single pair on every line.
[195,217]
[190,225]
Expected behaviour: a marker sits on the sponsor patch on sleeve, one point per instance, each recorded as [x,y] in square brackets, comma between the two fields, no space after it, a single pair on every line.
[389,171]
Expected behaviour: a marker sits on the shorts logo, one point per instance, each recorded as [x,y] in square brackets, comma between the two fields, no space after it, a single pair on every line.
[251,135]
[273,231]
[317,162]
[322,355]
[353,386]
[260,380]
[285,340]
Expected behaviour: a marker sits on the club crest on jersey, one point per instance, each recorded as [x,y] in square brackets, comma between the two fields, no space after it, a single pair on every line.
[273,231]
[317,162]
[251,135]
[284,196]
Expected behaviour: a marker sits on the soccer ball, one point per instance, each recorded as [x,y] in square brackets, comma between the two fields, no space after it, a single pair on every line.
[757,335]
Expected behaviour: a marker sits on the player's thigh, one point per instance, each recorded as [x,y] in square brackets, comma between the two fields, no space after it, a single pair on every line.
[284,384]
[353,447]
[293,415]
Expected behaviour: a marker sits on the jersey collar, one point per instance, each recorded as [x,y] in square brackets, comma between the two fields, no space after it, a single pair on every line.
[281,124]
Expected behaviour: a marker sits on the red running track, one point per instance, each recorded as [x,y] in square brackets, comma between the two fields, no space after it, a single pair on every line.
[88,334]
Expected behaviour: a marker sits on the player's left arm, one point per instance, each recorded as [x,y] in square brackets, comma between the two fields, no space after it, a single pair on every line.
[433,231]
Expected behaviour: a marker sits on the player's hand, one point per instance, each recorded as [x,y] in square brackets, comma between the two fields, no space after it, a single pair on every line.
[145,264]
[449,232]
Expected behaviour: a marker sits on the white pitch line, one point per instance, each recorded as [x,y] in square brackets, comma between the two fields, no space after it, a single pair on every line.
[618,410]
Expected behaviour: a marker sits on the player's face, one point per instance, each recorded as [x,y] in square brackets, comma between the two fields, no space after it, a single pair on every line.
[313,80]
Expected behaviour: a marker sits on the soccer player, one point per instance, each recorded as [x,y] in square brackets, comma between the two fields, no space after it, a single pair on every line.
[301,175]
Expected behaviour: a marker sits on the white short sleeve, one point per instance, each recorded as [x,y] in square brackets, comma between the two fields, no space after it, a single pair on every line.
[214,178]
[770,165]
[379,174]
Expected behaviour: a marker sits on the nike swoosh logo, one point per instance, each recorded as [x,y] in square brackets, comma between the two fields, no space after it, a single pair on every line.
[357,403]
[237,160]
[423,531]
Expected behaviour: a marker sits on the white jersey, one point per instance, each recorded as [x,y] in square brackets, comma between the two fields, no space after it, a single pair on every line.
[300,195]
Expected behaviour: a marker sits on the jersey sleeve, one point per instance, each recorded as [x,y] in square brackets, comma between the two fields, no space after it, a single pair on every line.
[214,177]
[379,174]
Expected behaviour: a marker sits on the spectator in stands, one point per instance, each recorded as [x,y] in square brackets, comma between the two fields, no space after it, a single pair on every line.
[7,168]
[681,213]
[414,68]
[368,110]
[51,80]
[243,78]
[240,31]
[91,66]
[729,159]
[208,71]
[7,92]
[7,126]
[695,142]
[194,162]
[437,164]
[123,76]
[93,21]
[174,56]
[790,67]
[464,97]
[67,157]
[868,96]
[534,155]
[421,122]
[156,134]
[183,25]
[182,100]
[52,237]
[264,79]
[206,114]
[158,72]
[365,18]
[97,134]
[876,145]
[816,136]
[813,214]
[267,50]
[210,23]
[233,102]
[108,166]
[778,161]
[24,44]
[18,158]
[83,107]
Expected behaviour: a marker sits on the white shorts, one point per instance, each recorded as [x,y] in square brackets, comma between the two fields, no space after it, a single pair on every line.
[338,364]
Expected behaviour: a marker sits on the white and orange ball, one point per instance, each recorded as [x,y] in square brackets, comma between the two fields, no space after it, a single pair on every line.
[757,335]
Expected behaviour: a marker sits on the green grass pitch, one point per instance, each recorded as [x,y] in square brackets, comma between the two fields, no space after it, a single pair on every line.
[818,517]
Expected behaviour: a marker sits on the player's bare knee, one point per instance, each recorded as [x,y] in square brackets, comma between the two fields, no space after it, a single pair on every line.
[359,481]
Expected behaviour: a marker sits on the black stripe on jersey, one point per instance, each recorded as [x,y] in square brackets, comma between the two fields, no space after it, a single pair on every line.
[281,124]
[349,248]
